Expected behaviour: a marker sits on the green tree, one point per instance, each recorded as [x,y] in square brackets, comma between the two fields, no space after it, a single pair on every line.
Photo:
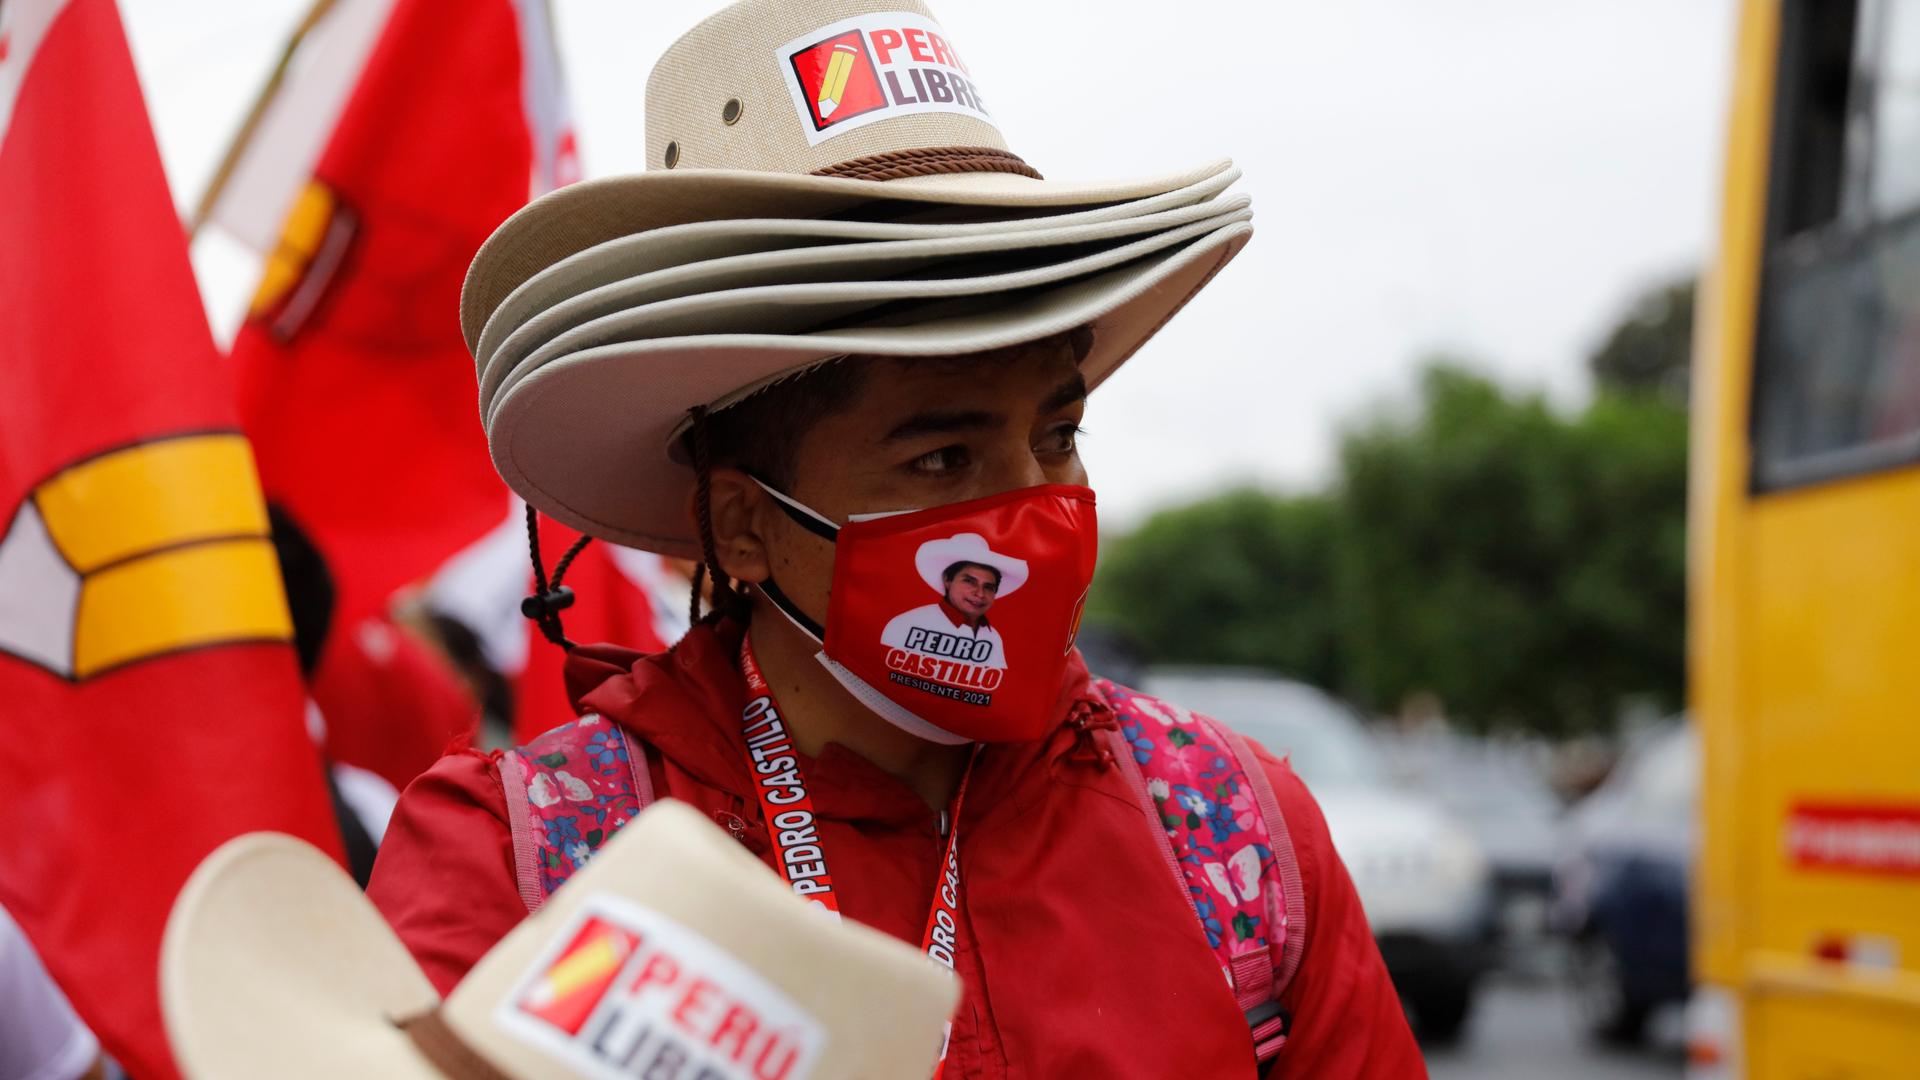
[1243,577]
[1525,567]
[1649,350]
[1450,527]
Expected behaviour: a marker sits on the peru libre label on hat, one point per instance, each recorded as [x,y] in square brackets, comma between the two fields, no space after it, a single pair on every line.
[873,67]
[624,991]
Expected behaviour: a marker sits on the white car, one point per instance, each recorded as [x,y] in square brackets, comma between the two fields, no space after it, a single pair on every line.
[1422,877]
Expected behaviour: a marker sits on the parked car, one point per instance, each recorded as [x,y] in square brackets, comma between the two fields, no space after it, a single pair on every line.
[1620,896]
[1514,815]
[1421,877]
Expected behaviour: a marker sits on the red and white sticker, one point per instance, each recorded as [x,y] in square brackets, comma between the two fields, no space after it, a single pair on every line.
[1872,839]
[874,67]
[623,991]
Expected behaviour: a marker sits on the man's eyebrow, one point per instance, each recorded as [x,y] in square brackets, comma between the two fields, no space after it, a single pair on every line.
[1074,389]
[944,422]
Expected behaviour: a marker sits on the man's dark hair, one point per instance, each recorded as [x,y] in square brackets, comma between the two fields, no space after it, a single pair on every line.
[761,433]
[948,575]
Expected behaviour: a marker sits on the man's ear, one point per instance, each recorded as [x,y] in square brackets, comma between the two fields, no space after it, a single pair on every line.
[734,501]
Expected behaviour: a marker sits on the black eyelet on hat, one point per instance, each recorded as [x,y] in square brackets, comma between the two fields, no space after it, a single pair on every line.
[673,154]
[730,112]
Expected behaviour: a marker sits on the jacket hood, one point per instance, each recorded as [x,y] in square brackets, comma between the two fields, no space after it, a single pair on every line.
[686,704]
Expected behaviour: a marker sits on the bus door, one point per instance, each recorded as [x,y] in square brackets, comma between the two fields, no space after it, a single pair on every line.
[1807,588]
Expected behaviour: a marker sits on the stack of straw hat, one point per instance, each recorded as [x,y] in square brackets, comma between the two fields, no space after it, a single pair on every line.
[765,239]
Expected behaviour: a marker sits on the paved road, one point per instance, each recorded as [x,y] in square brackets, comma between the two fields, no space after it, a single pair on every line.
[1528,1031]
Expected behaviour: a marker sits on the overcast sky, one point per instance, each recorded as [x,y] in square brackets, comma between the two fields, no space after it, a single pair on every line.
[1489,178]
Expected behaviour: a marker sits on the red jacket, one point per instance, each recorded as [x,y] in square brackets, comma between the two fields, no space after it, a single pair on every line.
[1080,957]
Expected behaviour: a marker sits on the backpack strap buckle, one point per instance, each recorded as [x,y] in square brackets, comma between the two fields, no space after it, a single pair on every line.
[1269,1024]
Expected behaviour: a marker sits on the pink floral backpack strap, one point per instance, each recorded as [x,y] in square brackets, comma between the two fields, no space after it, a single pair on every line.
[567,792]
[1227,846]
[1290,910]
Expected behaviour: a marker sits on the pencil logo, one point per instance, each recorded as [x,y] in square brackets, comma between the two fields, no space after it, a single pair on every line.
[837,80]
[568,990]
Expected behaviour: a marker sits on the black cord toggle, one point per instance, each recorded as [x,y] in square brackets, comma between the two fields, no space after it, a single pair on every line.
[546,603]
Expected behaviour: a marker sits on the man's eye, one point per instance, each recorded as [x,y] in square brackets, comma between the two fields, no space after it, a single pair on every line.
[945,459]
[1061,439]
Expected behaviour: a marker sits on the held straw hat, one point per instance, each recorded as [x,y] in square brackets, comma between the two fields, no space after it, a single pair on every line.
[824,178]
[672,944]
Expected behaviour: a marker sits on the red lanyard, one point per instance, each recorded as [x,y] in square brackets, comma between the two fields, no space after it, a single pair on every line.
[791,823]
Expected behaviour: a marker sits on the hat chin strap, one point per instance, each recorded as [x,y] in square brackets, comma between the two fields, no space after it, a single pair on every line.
[876,702]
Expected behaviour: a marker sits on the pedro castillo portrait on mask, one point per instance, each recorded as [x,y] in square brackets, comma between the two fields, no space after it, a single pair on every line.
[970,590]
[834,348]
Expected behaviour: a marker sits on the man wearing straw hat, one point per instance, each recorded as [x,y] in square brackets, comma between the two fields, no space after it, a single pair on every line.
[836,320]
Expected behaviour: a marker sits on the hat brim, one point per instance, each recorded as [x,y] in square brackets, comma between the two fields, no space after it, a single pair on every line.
[782,253]
[590,271]
[273,954]
[796,308]
[580,216]
[587,437]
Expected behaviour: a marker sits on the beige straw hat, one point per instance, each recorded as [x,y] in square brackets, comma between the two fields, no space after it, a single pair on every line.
[824,178]
[673,953]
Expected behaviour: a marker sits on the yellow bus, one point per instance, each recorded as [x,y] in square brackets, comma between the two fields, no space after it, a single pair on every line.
[1804,591]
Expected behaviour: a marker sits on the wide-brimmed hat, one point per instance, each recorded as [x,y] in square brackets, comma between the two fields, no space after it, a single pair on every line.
[824,178]
[673,941]
[935,556]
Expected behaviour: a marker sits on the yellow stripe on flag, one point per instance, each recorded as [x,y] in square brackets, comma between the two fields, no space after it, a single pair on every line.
[156,495]
[300,238]
[200,595]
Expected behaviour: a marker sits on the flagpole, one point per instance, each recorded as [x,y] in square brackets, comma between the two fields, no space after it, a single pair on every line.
[553,41]
[217,186]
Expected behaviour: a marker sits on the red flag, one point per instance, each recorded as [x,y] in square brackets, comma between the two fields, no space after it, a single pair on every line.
[389,703]
[153,704]
[355,384]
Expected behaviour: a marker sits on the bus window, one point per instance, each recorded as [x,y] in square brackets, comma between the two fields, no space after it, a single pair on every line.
[1837,388]
[1896,113]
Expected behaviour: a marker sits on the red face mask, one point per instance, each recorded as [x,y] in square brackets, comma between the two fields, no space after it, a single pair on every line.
[955,622]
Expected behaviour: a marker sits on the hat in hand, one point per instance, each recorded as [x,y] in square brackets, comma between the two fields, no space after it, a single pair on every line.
[673,954]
